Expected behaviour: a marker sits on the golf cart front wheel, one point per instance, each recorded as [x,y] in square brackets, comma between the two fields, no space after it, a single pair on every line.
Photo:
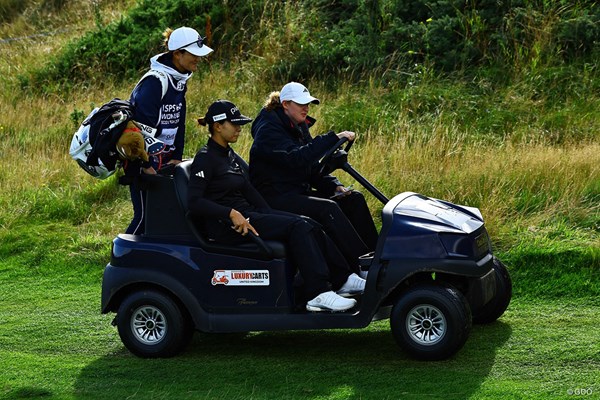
[431,322]
[151,324]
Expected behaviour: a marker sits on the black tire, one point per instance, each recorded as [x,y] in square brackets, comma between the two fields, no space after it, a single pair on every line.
[152,325]
[496,307]
[431,322]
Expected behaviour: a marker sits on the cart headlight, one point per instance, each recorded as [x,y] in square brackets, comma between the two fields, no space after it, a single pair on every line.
[474,245]
[482,244]
[457,245]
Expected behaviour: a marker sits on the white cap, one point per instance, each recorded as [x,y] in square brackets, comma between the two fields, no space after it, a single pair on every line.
[188,39]
[298,93]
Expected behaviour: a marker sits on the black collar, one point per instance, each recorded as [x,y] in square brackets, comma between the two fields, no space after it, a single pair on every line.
[211,144]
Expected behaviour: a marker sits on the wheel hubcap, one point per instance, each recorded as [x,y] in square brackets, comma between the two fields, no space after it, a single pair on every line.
[425,324]
[148,325]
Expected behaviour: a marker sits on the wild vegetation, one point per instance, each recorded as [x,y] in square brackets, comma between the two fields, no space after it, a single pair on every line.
[489,104]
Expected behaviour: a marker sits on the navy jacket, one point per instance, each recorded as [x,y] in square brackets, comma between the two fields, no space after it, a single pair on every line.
[284,156]
[165,114]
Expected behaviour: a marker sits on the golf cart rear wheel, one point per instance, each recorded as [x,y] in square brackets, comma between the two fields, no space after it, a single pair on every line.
[151,324]
[496,307]
[431,322]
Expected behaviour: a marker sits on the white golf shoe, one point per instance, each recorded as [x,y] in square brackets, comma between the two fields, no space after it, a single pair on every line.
[354,285]
[330,301]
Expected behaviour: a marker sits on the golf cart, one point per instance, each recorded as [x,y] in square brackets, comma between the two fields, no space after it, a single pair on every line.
[432,274]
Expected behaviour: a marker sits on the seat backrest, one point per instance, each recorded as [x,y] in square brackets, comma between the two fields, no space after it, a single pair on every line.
[182,179]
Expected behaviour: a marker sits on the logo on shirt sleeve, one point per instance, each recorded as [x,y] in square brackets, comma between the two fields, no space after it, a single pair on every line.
[200,174]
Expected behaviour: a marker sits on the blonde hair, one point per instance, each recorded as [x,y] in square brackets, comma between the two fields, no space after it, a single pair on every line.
[273,101]
[166,35]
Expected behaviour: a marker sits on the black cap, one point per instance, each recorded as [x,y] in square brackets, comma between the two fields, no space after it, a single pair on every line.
[222,110]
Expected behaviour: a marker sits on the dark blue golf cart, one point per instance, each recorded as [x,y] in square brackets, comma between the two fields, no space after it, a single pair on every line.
[432,274]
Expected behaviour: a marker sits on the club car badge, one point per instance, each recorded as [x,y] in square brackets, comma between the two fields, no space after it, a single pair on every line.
[240,277]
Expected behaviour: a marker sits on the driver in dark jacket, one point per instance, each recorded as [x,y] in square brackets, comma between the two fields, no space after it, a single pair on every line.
[283,167]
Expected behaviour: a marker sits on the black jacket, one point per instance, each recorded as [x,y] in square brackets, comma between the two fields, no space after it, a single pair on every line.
[218,183]
[284,156]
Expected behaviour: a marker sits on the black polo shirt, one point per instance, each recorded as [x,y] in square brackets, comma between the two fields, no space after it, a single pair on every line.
[218,183]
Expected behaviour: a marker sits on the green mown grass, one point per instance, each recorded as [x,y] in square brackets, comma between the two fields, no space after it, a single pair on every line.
[56,345]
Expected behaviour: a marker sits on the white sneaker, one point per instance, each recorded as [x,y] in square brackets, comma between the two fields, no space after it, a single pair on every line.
[330,301]
[354,285]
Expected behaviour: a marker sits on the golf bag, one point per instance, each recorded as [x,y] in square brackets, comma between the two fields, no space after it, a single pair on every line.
[93,146]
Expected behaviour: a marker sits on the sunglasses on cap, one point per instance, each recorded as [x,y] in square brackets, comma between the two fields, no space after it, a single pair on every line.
[199,42]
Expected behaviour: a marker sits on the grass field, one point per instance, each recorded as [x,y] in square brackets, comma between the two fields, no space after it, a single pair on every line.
[527,154]
[56,345]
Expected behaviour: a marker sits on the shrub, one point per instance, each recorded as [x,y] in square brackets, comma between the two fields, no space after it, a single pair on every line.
[357,38]
[122,48]
[354,38]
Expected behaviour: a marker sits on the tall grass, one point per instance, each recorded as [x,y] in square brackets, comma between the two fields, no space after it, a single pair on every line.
[414,138]
[510,181]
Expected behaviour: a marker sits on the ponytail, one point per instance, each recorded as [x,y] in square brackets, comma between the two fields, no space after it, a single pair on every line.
[272,101]
[166,35]
[202,121]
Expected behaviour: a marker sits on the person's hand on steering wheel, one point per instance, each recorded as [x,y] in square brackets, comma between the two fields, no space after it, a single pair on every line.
[343,137]
[347,134]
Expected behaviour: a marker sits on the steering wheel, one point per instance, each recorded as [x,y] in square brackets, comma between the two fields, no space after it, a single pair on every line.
[323,165]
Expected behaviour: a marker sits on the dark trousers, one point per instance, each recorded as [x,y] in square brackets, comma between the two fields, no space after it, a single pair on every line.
[311,251]
[347,221]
